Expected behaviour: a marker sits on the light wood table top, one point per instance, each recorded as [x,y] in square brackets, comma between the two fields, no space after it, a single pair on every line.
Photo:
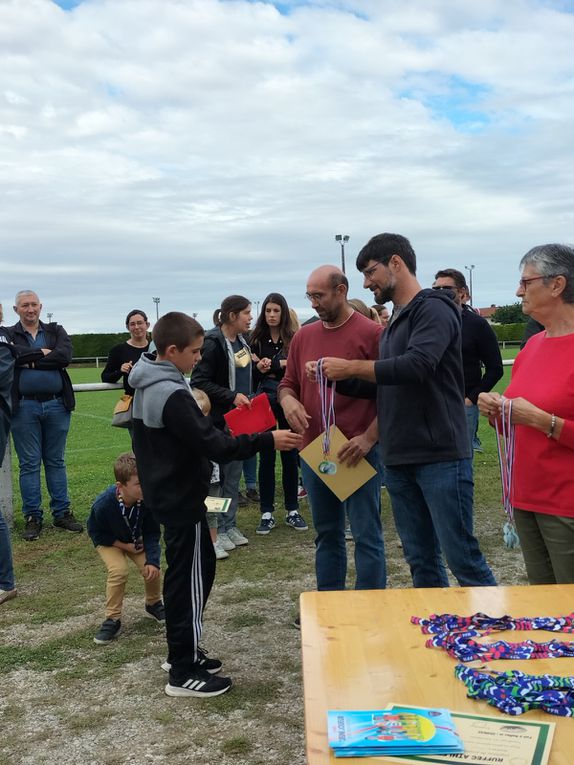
[360,651]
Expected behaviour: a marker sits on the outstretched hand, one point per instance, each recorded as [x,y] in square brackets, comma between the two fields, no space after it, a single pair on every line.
[285,440]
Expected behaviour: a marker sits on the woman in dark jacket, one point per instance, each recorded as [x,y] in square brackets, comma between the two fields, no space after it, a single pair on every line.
[122,357]
[270,345]
[224,373]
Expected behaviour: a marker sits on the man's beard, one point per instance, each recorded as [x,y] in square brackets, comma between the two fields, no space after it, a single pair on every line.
[385,295]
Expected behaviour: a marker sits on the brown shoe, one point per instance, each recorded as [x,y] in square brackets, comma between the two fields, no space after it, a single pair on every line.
[7,595]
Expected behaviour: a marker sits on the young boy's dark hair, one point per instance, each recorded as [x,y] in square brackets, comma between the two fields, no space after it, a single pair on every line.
[177,329]
[174,445]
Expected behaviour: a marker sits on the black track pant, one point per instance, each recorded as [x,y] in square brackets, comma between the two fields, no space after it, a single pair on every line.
[186,586]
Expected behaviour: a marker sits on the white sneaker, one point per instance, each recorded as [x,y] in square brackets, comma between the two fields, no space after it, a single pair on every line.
[225,542]
[220,553]
[237,537]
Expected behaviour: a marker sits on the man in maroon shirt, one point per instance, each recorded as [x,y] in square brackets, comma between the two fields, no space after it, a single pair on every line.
[341,332]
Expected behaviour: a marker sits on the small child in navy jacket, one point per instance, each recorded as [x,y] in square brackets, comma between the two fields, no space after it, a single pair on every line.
[122,529]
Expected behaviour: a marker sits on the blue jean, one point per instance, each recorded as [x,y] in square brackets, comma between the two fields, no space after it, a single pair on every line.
[364,511]
[472,426]
[40,430]
[250,472]
[6,567]
[432,508]
[230,473]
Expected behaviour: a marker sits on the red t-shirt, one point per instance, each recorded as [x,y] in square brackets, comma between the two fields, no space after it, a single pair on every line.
[543,477]
[358,338]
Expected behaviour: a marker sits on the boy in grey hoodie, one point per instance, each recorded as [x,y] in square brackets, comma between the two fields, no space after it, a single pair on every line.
[174,443]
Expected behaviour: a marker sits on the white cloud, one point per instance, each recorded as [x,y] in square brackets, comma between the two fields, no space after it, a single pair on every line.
[199,148]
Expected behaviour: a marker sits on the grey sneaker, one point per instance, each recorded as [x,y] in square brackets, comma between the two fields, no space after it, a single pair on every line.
[32,529]
[220,553]
[224,541]
[68,523]
[237,537]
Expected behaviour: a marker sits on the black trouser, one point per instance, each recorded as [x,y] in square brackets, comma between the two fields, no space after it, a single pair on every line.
[186,586]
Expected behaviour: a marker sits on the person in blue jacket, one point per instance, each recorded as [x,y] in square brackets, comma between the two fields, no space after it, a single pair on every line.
[122,529]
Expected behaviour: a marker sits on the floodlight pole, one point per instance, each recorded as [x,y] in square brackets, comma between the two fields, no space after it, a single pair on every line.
[342,239]
[156,301]
[470,269]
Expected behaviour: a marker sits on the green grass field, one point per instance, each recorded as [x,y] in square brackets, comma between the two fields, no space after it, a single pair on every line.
[64,698]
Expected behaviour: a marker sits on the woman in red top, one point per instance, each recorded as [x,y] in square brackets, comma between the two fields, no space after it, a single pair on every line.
[542,395]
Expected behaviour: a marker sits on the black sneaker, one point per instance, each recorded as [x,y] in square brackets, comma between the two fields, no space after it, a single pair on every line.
[156,611]
[201,684]
[297,622]
[252,495]
[32,529]
[109,630]
[213,666]
[296,522]
[68,523]
[267,523]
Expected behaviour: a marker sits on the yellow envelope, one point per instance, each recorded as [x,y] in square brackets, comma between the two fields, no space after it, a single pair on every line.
[341,479]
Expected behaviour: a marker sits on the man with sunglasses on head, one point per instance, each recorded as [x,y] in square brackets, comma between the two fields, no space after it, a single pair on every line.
[423,439]
[479,349]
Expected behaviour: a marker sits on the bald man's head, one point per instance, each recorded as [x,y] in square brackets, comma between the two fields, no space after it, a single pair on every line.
[327,288]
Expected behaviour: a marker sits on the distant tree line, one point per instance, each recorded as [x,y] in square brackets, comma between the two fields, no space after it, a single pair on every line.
[509,325]
[96,344]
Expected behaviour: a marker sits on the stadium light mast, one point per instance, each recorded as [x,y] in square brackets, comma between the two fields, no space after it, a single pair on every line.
[342,239]
[470,269]
[156,301]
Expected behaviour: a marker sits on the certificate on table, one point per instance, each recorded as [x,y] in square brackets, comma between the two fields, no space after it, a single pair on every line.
[217,504]
[340,478]
[501,740]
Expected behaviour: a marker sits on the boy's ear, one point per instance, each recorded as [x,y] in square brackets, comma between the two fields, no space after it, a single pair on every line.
[169,352]
[119,485]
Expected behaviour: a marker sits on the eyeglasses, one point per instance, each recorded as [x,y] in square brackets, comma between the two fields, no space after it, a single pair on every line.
[368,272]
[525,282]
[318,296]
[446,287]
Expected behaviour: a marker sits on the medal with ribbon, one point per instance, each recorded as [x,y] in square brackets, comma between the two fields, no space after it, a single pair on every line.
[327,398]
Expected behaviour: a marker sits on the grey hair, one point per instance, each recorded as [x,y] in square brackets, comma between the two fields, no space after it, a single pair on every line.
[24,292]
[553,260]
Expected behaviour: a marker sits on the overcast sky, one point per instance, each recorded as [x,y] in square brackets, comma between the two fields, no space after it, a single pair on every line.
[191,149]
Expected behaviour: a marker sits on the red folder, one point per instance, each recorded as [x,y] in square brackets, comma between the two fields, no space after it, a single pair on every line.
[257,419]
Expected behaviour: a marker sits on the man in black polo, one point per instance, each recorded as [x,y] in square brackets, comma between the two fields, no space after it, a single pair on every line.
[479,349]
[42,401]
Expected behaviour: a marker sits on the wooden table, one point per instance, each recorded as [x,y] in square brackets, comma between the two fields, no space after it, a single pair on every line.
[360,651]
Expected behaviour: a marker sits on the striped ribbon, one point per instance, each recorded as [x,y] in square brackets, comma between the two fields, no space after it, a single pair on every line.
[327,398]
[505,439]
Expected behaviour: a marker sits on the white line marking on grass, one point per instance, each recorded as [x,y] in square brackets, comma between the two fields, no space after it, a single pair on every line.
[111,447]
[93,416]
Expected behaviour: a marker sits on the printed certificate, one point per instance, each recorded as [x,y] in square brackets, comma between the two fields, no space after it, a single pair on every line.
[493,741]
